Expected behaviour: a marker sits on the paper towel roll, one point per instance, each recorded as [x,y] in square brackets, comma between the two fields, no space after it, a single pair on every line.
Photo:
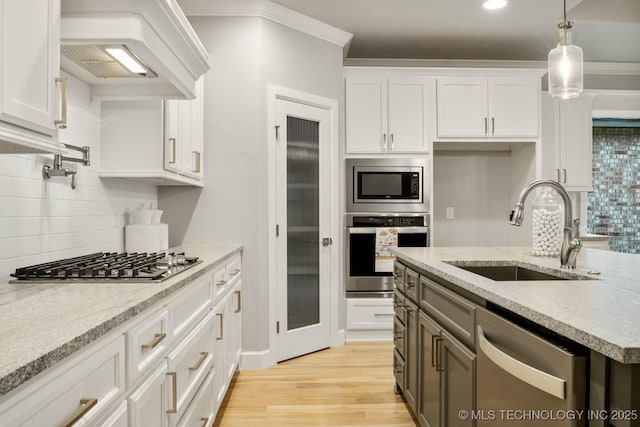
[142,237]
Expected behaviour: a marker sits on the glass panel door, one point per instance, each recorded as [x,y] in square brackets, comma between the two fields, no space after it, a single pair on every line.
[303,238]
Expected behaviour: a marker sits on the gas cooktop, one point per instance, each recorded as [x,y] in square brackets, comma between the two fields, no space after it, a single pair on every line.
[109,267]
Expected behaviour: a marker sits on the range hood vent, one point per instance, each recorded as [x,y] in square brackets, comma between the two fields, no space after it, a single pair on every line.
[167,57]
[97,61]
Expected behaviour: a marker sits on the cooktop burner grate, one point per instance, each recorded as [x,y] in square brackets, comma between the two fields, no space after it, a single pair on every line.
[109,266]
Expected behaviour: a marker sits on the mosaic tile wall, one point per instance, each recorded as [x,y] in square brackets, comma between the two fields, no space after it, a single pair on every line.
[614,205]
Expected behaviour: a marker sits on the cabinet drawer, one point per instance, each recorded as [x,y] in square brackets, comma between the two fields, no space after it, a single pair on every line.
[188,308]
[201,411]
[398,306]
[370,314]
[188,364]
[118,418]
[219,281]
[399,337]
[80,389]
[234,268]
[146,343]
[398,276]
[398,369]
[411,282]
[452,310]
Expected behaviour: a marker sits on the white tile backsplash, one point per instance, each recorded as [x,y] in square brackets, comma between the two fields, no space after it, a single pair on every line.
[42,220]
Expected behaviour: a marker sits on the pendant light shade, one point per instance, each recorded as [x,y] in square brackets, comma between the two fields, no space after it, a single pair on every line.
[565,65]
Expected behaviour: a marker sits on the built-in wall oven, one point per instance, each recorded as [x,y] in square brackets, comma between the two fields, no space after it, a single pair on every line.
[388,185]
[369,238]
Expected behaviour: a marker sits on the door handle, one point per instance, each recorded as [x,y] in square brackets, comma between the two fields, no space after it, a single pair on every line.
[541,380]
[327,241]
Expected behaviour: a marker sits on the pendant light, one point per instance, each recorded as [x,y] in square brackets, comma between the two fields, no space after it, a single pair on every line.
[565,64]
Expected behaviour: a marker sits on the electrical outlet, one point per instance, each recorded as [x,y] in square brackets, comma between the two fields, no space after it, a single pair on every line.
[450,213]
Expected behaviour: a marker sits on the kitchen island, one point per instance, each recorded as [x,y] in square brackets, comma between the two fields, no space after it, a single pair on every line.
[51,330]
[597,310]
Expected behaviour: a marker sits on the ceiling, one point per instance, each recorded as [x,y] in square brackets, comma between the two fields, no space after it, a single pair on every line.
[525,30]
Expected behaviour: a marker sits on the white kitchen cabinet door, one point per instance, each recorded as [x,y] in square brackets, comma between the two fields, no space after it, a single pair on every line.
[514,107]
[366,99]
[172,136]
[462,109]
[30,57]
[221,379]
[147,404]
[574,148]
[408,104]
[229,335]
[488,108]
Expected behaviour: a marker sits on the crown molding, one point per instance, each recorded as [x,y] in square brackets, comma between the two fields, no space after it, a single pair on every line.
[271,11]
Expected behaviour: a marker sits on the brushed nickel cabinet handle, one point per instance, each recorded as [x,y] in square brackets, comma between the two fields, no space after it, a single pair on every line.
[558,174]
[391,138]
[196,158]
[221,282]
[493,125]
[156,340]
[62,122]
[220,326]
[384,141]
[203,357]
[87,403]
[564,176]
[172,141]
[235,272]
[439,366]
[174,391]
[204,421]
[238,301]
[486,126]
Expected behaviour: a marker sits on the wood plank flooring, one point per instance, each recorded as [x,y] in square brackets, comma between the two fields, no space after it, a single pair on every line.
[350,385]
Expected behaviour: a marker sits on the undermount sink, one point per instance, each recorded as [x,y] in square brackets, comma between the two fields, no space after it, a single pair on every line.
[512,272]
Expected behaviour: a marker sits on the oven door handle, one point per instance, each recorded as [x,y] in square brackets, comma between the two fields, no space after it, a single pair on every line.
[401,230]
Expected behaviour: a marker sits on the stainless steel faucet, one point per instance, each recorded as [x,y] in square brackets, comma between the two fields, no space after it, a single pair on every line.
[571,244]
[58,170]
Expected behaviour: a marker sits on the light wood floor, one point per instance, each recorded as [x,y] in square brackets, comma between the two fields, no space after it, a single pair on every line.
[350,385]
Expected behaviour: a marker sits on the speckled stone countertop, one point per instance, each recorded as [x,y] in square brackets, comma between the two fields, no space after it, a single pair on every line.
[601,314]
[42,323]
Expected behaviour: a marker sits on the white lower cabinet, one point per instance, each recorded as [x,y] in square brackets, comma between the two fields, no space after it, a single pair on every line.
[188,364]
[369,319]
[201,413]
[147,404]
[79,391]
[118,418]
[179,356]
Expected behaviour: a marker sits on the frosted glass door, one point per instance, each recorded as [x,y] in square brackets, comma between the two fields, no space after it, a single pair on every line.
[303,250]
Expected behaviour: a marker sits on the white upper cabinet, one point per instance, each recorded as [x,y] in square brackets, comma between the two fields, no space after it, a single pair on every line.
[567,141]
[387,114]
[30,95]
[488,108]
[160,142]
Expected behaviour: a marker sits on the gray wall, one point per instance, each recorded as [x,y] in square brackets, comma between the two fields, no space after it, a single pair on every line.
[478,186]
[247,54]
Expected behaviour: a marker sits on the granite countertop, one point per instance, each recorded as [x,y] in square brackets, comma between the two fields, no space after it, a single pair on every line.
[601,314]
[42,323]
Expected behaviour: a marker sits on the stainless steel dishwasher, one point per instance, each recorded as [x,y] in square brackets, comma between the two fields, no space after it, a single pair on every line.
[524,379]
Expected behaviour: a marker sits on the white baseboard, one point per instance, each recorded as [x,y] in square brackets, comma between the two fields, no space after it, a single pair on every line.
[369,335]
[256,360]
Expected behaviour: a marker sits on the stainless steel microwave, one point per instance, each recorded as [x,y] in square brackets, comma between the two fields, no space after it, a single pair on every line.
[387,185]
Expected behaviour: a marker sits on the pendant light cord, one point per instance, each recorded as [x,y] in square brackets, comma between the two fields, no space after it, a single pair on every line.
[565,10]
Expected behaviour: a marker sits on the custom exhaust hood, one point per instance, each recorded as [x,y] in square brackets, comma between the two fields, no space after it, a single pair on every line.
[131,49]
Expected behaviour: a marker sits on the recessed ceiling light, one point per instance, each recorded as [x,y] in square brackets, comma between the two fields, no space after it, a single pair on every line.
[494,4]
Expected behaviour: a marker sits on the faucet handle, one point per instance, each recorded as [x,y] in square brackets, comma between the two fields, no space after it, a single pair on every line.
[576,228]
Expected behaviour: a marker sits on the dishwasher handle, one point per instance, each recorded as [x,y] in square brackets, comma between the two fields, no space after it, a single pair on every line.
[541,380]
